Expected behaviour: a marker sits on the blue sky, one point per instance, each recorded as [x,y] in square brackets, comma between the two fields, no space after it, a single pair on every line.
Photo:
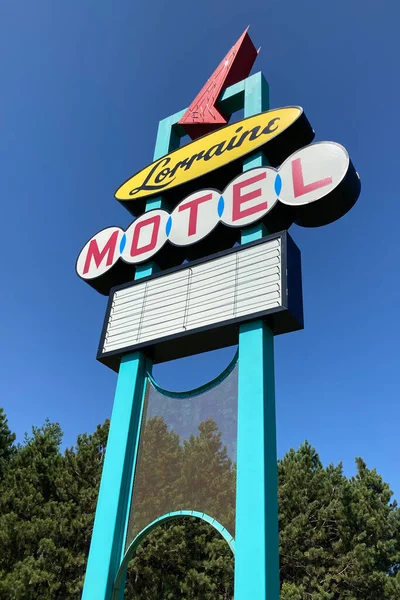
[84,85]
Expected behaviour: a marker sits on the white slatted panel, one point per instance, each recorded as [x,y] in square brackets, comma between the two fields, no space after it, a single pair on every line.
[236,285]
[259,278]
[212,292]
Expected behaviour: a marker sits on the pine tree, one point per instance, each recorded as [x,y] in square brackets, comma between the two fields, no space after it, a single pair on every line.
[78,485]
[157,488]
[185,559]
[29,554]
[339,536]
[47,504]
[7,440]
[209,476]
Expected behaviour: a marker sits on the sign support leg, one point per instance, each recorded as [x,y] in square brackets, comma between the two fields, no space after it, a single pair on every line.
[257,536]
[107,539]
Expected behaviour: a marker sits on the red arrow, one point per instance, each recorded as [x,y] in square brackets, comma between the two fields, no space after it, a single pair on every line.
[203,116]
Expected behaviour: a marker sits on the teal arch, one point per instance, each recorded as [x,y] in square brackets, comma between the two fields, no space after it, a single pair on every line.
[120,579]
[201,389]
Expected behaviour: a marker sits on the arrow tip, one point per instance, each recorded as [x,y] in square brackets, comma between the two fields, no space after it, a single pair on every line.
[203,116]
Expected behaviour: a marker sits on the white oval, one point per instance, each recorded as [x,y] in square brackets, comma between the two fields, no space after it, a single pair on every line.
[100,253]
[194,218]
[312,173]
[145,236]
[249,197]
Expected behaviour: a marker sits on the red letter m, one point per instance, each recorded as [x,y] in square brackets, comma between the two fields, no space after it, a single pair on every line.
[98,256]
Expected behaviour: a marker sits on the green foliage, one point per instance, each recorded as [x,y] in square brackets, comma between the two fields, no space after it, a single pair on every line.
[185,559]
[209,475]
[196,475]
[340,537]
[47,502]
[158,475]
[7,440]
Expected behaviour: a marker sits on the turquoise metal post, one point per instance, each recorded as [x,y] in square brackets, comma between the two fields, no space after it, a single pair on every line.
[257,537]
[109,531]
[105,547]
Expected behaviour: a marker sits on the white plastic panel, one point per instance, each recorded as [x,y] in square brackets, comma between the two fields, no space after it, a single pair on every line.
[233,286]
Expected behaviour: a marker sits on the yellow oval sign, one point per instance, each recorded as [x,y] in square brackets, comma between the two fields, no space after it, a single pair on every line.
[211,152]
